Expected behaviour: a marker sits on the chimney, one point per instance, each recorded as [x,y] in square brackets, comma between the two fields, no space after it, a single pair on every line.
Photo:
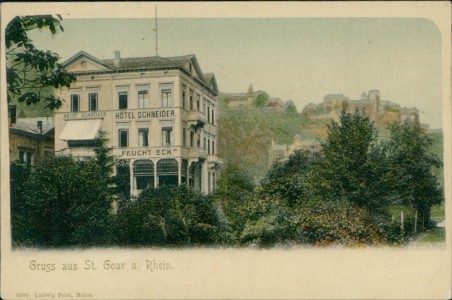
[12,114]
[40,126]
[117,58]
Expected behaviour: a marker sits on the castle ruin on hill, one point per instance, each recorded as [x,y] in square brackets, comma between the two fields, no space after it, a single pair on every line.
[382,112]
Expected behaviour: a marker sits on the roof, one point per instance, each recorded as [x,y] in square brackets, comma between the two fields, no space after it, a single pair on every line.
[150,63]
[29,127]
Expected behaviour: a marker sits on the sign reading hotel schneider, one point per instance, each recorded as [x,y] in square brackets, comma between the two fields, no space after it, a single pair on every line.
[124,115]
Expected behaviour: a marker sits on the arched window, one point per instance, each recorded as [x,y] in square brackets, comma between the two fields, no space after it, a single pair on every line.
[143,173]
[167,171]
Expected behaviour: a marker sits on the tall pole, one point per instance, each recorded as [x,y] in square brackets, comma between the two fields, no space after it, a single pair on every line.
[156,34]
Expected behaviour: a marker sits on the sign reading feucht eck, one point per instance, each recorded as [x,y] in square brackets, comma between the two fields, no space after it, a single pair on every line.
[144,152]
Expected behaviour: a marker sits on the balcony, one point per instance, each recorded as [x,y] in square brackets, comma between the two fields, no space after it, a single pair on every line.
[196,152]
[214,161]
[196,116]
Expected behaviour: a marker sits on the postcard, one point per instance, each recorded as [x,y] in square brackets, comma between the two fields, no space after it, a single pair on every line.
[210,150]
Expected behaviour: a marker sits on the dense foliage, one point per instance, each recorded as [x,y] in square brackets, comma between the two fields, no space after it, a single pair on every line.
[31,71]
[167,216]
[66,202]
[410,161]
[350,193]
[346,193]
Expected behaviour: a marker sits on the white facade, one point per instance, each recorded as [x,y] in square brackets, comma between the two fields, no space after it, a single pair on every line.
[159,114]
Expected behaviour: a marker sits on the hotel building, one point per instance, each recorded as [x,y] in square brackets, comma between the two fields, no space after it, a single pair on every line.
[159,115]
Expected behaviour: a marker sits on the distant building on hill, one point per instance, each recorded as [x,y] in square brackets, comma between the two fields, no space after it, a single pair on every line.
[283,151]
[240,100]
[274,105]
[380,111]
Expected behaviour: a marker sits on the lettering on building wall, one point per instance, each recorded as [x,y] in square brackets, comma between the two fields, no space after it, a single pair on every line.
[145,114]
[83,115]
[149,152]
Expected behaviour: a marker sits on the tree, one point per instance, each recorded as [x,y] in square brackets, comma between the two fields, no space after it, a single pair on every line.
[288,179]
[29,70]
[352,165]
[261,100]
[20,175]
[411,161]
[291,109]
[235,187]
[103,154]
[66,203]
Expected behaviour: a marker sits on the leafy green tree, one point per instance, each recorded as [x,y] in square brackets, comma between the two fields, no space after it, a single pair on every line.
[20,175]
[291,109]
[66,203]
[288,179]
[29,70]
[352,165]
[103,154]
[235,187]
[411,162]
[261,100]
[167,216]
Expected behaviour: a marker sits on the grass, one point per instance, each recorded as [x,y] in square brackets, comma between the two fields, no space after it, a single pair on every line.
[437,213]
[433,236]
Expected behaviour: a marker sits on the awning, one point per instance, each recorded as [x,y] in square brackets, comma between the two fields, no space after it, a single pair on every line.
[81,130]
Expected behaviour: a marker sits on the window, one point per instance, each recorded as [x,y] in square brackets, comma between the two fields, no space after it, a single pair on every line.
[204,106]
[183,97]
[192,138]
[208,113]
[198,140]
[92,98]
[213,147]
[184,171]
[123,98]
[25,156]
[212,120]
[166,95]
[204,145]
[143,98]
[198,102]
[167,136]
[143,137]
[75,102]
[184,137]
[208,146]
[143,173]
[167,171]
[123,137]
[191,100]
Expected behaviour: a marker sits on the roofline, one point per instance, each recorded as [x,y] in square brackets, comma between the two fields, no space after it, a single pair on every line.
[180,68]
[84,53]
[33,135]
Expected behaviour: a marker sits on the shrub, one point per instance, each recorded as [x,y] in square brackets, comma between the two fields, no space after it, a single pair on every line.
[168,215]
[327,223]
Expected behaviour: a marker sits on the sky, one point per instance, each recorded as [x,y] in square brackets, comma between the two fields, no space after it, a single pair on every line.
[298,59]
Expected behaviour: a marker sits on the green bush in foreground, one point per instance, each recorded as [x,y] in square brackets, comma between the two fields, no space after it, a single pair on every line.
[168,215]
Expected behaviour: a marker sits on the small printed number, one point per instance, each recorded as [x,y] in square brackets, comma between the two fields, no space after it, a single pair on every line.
[22,295]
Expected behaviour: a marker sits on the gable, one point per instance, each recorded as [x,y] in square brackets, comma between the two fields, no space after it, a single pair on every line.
[195,68]
[84,62]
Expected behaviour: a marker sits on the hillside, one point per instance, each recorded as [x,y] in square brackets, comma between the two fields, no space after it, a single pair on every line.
[245,134]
